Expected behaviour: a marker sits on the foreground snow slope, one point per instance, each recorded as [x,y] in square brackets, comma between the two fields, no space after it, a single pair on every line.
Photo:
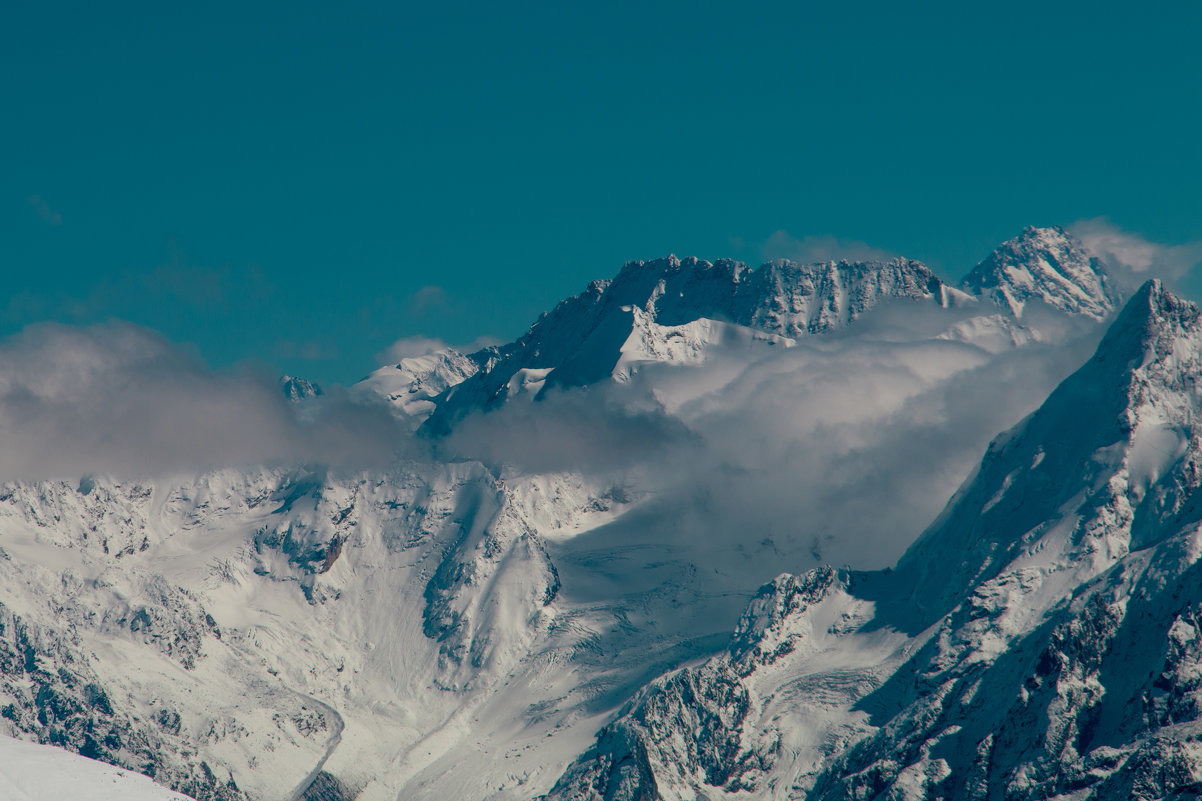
[1042,640]
[32,772]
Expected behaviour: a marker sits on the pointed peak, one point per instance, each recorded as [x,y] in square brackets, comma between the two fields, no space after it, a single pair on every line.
[1151,292]
[298,389]
[1152,310]
[1047,265]
[1044,234]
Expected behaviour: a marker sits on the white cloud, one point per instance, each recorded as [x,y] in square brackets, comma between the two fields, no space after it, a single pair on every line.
[44,211]
[1133,259]
[411,347]
[119,399]
[841,449]
[429,299]
[811,249]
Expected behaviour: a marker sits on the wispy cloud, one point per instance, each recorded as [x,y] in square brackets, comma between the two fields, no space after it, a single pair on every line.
[840,449]
[173,283]
[429,299]
[1132,258]
[45,212]
[409,347]
[119,399]
[810,249]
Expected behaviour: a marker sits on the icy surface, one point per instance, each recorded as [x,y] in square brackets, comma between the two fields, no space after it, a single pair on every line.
[32,772]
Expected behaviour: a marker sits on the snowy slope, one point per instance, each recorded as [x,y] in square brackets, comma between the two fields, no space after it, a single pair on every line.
[413,384]
[32,772]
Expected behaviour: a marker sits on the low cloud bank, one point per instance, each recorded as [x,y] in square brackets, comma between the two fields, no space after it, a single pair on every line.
[122,400]
[1133,259]
[841,449]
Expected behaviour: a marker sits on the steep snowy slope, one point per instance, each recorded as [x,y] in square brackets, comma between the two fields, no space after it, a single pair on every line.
[31,772]
[1040,641]
[1066,664]
[236,634]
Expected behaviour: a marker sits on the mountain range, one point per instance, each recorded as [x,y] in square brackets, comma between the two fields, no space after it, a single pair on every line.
[704,531]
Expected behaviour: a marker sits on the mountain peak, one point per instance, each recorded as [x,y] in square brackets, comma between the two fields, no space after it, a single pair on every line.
[1048,265]
[1160,303]
[1148,322]
[298,389]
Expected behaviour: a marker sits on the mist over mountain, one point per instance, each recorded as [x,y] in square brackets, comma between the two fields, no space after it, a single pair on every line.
[705,529]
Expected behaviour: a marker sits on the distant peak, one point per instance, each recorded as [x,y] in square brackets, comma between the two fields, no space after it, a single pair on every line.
[298,389]
[1033,231]
[1047,265]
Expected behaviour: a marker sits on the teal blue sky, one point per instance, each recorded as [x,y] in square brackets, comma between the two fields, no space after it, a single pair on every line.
[299,185]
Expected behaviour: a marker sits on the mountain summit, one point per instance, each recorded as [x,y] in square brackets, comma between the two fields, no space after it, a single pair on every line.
[1049,265]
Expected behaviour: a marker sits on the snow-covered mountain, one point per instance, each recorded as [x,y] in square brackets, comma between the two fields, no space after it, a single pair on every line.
[669,310]
[298,389]
[413,385]
[1039,641]
[1047,265]
[464,627]
[674,311]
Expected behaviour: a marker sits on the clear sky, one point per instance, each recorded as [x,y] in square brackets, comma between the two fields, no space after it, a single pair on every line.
[301,184]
